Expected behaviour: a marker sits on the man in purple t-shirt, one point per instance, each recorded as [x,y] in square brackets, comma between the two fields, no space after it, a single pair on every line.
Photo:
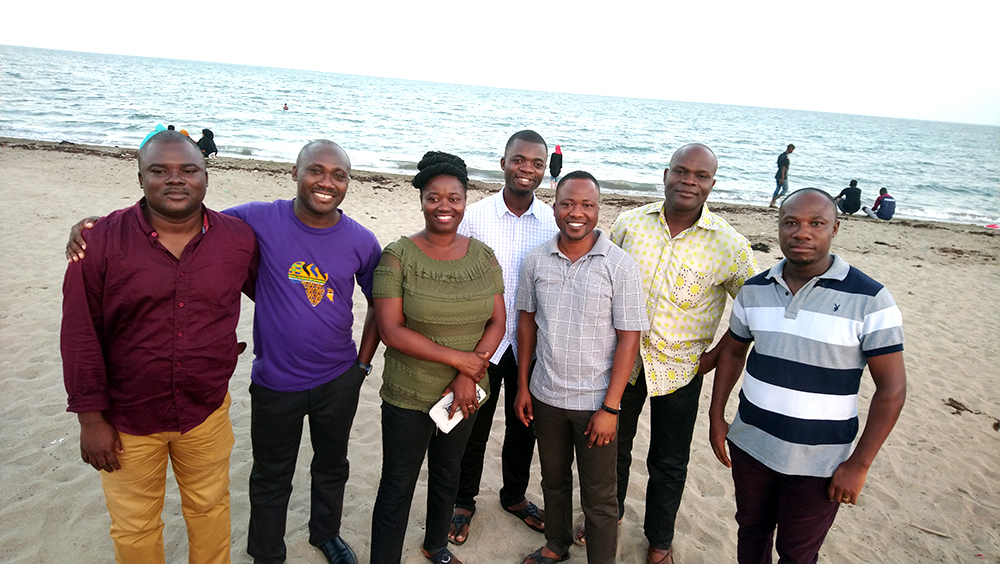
[306,363]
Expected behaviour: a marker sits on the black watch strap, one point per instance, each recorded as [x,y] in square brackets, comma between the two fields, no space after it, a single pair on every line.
[609,410]
[366,367]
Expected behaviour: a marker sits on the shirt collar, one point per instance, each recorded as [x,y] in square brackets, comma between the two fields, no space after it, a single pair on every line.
[502,208]
[600,246]
[838,270]
[707,220]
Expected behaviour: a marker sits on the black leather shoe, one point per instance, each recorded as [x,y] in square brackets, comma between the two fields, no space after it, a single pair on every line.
[338,552]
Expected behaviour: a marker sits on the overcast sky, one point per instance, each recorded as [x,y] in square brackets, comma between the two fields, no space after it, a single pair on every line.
[917,60]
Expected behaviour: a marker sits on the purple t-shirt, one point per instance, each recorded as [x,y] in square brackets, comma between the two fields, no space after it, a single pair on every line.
[303,319]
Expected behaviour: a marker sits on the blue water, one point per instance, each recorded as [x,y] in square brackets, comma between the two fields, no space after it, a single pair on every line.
[945,171]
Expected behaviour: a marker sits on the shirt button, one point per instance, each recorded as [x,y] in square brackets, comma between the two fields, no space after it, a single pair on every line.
[180,304]
[178,364]
[154,234]
[180,334]
[182,275]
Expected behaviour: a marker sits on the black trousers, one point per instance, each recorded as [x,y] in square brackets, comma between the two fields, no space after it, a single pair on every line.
[518,441]
[276,431]
[671,426]
[407,435]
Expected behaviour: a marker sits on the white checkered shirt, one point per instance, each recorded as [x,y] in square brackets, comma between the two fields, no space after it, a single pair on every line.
[511,237]
[578,307]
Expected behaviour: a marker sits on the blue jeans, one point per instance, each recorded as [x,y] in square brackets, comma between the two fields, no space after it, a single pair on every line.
[671,427]
[276,431]
[781,189]
[407,435]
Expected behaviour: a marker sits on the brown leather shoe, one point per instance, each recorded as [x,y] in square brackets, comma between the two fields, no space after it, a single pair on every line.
[657,556]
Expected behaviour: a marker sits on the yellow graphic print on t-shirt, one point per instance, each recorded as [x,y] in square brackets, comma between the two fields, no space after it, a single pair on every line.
[312,280]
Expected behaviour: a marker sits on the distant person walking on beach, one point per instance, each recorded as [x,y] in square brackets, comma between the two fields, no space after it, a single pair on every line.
[555,166]
[884,207]
[781,177]
[147,356]
[286,107]
[815,323]
[577,278]
[690,259]
[511,222]
[207,143]
[849,199]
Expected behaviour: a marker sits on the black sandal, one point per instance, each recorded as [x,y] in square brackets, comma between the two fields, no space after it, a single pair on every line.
[460,521]
[443,556]
[537,558]
[531,510]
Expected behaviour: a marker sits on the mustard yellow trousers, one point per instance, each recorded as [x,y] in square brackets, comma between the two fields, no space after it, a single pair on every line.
[134,494]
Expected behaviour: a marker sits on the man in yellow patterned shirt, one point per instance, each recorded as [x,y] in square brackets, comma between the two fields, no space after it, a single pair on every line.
[690,259]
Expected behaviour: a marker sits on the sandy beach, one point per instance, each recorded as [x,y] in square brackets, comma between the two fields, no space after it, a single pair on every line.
[933,493]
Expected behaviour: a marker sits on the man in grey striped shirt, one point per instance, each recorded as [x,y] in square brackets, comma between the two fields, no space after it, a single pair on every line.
[815,322]
[581,308]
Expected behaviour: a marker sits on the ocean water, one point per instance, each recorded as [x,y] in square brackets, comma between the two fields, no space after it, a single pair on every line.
[942,171]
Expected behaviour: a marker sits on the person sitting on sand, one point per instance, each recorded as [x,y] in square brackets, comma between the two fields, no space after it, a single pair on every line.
[147,355]
[579,278]
[849,199]
[207,143]
[815,323]
[440,310]
[884,207]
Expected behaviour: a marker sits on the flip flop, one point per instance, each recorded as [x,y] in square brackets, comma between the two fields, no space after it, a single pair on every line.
[443,556]
[661,557]
[580,535]
[530,511]
[537,558]
[460,521]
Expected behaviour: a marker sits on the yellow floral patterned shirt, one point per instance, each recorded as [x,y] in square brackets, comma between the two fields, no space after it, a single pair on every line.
[686,279]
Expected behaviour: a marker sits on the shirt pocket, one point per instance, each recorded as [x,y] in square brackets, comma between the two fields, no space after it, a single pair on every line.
[689,283]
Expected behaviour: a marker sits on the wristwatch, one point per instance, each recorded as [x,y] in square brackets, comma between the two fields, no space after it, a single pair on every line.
[366,367]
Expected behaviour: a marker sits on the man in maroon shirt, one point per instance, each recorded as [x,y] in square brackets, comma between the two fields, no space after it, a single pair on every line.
[149,345]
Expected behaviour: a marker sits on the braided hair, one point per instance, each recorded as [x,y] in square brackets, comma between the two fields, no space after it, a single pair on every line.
[436,163]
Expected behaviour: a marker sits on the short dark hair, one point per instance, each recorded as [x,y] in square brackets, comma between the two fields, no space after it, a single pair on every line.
[526,135]
[882,191]
[167,136]
[581,174]
[326,143]
[833,202]
[790,146]
[854,183]
[436,163]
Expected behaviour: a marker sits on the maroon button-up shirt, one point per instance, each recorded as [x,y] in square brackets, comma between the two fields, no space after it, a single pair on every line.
[147,339]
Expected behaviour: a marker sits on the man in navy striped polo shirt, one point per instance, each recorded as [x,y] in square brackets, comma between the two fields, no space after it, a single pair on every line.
[815,322]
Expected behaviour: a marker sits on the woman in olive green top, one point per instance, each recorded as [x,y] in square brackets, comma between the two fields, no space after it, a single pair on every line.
[440,311]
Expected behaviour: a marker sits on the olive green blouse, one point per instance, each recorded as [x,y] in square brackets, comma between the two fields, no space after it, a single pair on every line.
[447,301]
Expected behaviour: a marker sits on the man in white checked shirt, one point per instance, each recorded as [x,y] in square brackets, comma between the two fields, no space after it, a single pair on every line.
[581,307]
[511,222]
